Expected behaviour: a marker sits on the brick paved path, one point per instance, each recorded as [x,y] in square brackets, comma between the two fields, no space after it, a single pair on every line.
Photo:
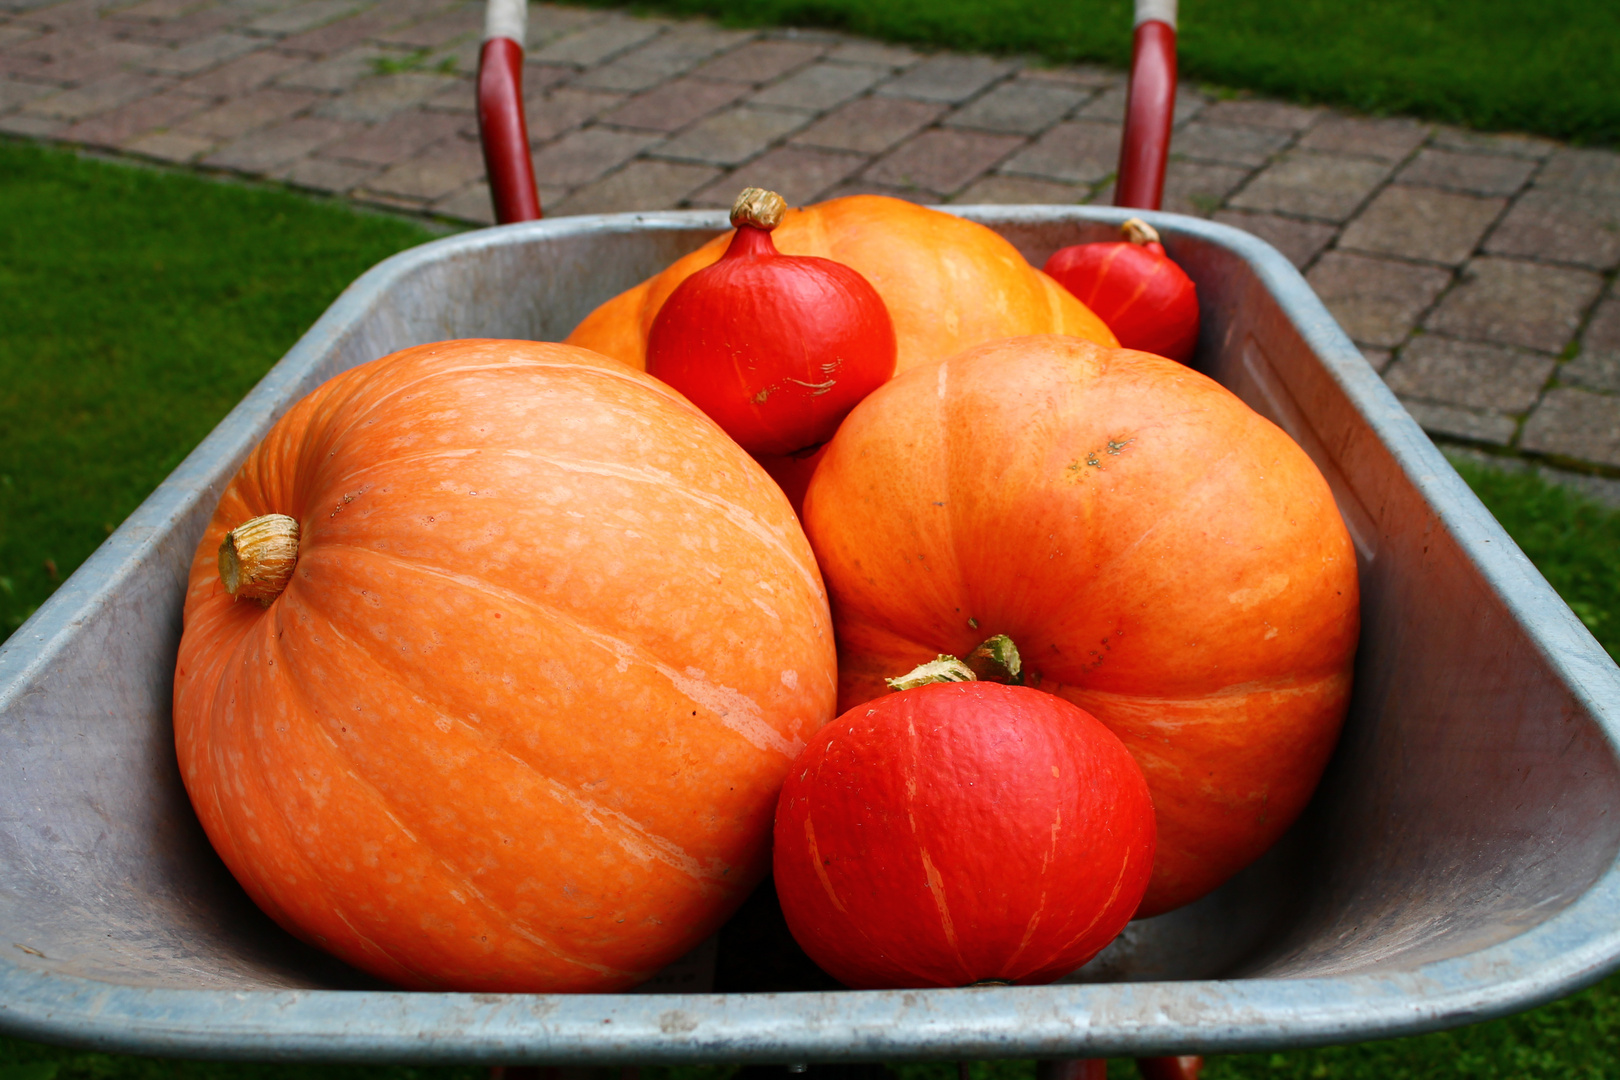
[1477,272]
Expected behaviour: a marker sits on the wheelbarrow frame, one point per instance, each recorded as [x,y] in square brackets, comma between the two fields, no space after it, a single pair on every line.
[1458,863]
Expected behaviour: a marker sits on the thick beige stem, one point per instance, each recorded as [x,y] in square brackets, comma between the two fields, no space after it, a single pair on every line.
[257,558]
[1138,231]
[760,208]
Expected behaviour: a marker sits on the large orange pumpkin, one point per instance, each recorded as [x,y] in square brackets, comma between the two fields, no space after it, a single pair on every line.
[1162,556]
[948,283]
[519,718]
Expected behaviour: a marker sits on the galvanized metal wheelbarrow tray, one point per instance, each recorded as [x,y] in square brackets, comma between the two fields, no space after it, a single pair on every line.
[1458,863]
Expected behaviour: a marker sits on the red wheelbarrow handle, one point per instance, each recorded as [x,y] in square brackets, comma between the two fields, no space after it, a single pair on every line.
[502,128]
[1150,108]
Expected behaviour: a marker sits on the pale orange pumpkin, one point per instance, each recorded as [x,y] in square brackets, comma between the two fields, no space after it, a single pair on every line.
[948,283]
[1163,557]
[529,665]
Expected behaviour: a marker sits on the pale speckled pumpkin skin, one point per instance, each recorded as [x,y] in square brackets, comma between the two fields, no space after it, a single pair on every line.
[519,720]
[1163,556]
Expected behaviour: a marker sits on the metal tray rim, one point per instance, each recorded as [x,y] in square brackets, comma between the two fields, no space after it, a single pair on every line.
[1573,948]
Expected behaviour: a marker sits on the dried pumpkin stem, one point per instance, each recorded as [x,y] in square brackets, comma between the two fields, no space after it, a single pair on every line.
[995,660]
[1138,231]
[257,557]
[760,208]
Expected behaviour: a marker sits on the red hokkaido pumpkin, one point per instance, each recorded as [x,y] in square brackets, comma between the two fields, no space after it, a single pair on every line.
[1165,558]
[959,833]
[775,348]
[510,685]
[1136,288]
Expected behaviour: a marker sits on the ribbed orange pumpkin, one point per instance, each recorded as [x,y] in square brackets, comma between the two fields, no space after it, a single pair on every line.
[1164,557]
[519,718]
[948,283]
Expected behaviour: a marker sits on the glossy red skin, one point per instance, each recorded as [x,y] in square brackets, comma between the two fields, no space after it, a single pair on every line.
[961,832]
[776,349]
[1145,298]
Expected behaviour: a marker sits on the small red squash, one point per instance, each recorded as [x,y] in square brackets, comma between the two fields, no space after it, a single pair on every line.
[1145,298]
[522,649]
[775,348]
[1165,558]
[959,833]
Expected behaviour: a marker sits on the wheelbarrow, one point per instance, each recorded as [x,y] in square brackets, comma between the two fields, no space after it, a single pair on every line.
[1457,863]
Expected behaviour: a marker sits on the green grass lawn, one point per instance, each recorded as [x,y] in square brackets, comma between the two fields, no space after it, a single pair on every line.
[1551,67]
[136,307]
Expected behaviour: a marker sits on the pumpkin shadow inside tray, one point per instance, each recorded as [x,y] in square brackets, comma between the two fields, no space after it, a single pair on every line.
[757,952]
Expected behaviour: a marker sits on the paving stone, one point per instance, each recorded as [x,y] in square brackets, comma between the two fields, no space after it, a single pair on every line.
[138,117]
[564,109]
[1110,105]
[1598,364]
[243,74]
[1386,140]
[1077,151]
[1593,172]
[663,58]
[1083,75]
[99,97]
[440,169]
[640,185]
[1477,174]
[196,24]
[279,146]
[243,114]
[14,94]
[1378,358]
[1197,187]
[170,146]
[1020,190]
[301,17]
[332,177]
[382,96]
[15,35]
[101,62]
[1020,106]
[1525,146]
[796,173]
[1227,144]
[1422,223]
[1470,374]
[866,187]
[893,57]
[732,137]
[437,31]
[820,86]
[339,73]
[1561,226]
[1315,185]
[472,203]
[942,160]
[33,127]
[198,56]
[343,34]
[398,138]
[1517,303]
[675,104]
[159,9]
[1485,427]
[548,22]
[461,97]
[951,78]
[870,125]
[1576,424]
[1376,301]
[761,61]
[582,156]
[1244,112]
[1299,241]
[598,41]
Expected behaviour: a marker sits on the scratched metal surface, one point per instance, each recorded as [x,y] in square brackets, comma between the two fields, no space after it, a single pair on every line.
[1459,861]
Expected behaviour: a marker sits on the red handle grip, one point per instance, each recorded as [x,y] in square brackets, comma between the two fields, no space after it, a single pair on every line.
[1150,110]
[504,132]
